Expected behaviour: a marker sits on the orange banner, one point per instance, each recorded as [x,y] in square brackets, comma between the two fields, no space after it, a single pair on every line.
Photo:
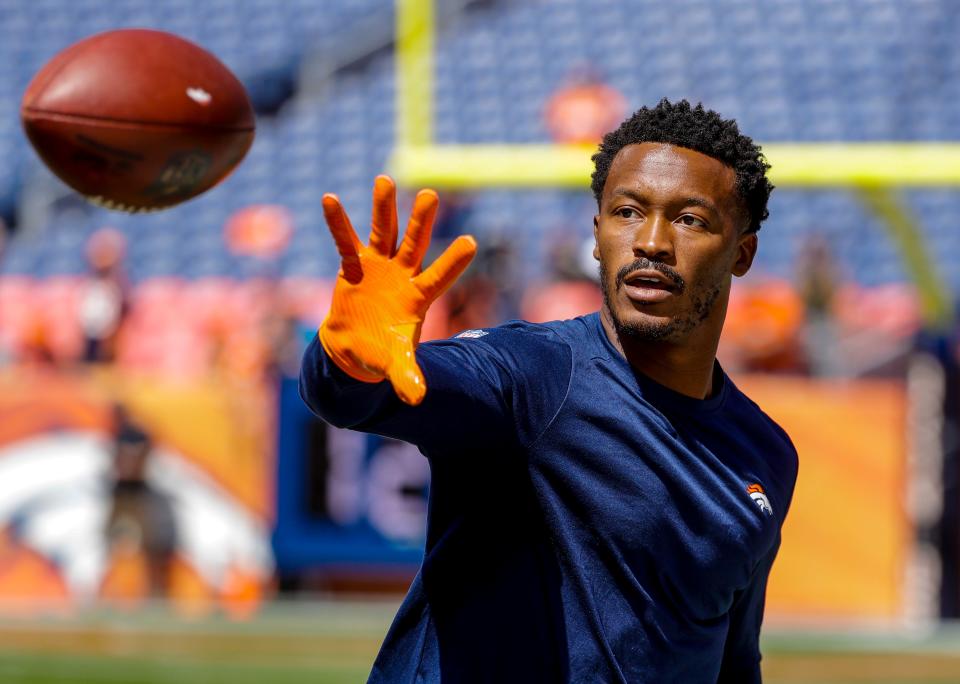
[847,539]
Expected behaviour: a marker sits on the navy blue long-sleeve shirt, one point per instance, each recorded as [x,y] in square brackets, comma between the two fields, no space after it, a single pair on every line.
[585,523]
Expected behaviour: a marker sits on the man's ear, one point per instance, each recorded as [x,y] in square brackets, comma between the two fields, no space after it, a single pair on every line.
[596,245]
[746,250]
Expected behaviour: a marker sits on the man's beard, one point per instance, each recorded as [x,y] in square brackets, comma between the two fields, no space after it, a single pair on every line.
[702,299]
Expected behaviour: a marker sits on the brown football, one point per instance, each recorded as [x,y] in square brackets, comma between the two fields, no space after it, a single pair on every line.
[138,119]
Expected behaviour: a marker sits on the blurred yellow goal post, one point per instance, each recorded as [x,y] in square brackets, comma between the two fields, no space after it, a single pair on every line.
[872,170]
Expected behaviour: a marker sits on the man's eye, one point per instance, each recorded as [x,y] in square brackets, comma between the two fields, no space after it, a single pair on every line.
[626,212]
[691,220]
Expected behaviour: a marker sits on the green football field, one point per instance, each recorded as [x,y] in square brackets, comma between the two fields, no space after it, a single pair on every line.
[335,642]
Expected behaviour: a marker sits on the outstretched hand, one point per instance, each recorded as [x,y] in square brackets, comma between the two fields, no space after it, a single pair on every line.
[381,295]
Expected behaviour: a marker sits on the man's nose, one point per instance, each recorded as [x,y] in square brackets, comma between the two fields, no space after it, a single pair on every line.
[654,240]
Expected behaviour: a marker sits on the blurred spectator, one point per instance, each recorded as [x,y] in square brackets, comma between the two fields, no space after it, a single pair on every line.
[472,304]
[454,215]
[584,109]
[561,300]
[104,304]
[487,293]
[259,230]
[285,335]
[763,328]
[818,285]
[572,288]
[141,520]
[37,350]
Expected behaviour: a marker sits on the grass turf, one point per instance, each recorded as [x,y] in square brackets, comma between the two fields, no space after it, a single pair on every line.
[335,643]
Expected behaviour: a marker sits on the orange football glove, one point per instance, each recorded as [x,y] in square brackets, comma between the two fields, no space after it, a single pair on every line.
[381,297]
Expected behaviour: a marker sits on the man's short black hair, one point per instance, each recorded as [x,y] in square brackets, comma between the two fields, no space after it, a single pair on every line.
[698,129]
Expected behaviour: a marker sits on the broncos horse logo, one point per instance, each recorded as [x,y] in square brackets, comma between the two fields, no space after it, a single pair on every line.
[760,498]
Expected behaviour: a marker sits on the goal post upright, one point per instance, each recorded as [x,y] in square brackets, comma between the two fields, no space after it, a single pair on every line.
[415,32]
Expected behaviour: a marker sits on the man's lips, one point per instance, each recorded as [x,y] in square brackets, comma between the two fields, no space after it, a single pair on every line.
[648,286]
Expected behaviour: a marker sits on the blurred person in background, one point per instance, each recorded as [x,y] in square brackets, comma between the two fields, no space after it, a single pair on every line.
[285,336]
[605,504]
[484,293]
[141,519]
[572,285]
[764,328]
[584,108]
[37,351]
[104,304]
[487,292]
[454,216]
[818,285]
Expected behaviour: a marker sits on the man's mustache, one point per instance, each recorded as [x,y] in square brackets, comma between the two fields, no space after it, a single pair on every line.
[644,264]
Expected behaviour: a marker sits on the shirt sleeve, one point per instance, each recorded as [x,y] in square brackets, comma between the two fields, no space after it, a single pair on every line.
[501,388]
[741,654]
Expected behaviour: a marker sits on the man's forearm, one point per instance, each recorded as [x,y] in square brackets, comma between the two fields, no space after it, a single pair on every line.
[333,395]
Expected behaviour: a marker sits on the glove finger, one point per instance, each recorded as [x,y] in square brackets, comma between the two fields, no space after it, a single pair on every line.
[383,237]
[348,244]
[416,241]
[447,268]
[407,378]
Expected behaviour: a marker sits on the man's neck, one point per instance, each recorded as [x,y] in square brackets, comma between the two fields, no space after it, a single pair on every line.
[685,368]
